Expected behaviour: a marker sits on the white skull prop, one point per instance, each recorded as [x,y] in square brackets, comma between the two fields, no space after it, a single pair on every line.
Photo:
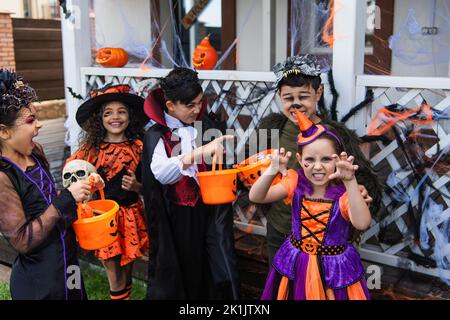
[76,170]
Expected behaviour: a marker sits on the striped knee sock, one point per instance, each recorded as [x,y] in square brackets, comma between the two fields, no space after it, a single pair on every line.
[123,294]
[129,285]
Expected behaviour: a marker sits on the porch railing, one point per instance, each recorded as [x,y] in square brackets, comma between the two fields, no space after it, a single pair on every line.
[406,252]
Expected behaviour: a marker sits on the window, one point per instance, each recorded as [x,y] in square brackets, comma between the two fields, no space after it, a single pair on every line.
[418,43]
[209,22]
[311,25]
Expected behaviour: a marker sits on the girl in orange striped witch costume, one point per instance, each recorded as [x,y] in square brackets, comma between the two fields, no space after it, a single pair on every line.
[112,120]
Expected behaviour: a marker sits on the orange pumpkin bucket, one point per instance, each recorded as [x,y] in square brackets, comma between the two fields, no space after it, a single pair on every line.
[253,167]
[218,186]
[96,226]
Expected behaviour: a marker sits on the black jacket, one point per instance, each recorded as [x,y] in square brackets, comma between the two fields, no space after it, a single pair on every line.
[42,235]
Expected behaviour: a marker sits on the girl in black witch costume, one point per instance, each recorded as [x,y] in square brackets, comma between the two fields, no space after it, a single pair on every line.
[191,246]
[34,219]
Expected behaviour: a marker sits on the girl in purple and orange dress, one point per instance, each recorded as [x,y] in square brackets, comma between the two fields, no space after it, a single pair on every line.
[316,262]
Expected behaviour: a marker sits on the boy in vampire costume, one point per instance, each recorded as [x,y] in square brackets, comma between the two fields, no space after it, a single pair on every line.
[191,245]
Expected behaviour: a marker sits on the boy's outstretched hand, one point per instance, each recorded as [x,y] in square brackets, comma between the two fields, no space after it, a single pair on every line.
[215,146]
[345,169]
[206,152]
[279,161]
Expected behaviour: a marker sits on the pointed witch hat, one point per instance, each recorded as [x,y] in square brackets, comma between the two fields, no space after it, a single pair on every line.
[309,131]
[108,93]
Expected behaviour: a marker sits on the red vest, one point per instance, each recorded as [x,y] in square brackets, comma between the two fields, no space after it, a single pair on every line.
[185,192]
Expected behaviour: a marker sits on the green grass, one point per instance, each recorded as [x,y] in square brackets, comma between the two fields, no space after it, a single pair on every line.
[96,284]
[97,287]
[4,291]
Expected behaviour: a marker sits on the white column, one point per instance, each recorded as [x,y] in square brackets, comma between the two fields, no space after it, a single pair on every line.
[192,32]
[77,53]
[268,34]
[348,52]
[281,27]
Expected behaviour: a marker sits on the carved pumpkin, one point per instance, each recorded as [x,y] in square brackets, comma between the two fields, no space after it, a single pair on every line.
[204,56]
[111,57]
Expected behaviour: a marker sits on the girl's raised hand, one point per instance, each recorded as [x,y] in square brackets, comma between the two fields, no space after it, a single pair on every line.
[345,169]
[279,161]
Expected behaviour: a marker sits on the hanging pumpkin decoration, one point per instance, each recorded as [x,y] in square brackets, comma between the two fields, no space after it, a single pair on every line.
[204,56]
[111,57]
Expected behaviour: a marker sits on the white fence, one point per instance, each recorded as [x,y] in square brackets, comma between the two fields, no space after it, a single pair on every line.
[409,93]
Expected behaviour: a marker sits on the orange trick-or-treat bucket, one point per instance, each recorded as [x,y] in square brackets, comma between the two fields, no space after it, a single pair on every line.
[96,226]
[218,186]
[253,167]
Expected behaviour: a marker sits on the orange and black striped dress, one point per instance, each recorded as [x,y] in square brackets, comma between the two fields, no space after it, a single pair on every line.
[112,162]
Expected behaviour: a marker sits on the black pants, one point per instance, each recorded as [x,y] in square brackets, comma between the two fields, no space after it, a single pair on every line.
[221,254]
[190,230]
[192,253]
[275,239]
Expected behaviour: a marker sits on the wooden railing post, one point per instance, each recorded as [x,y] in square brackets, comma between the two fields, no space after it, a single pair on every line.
[348,51]
[77,54]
